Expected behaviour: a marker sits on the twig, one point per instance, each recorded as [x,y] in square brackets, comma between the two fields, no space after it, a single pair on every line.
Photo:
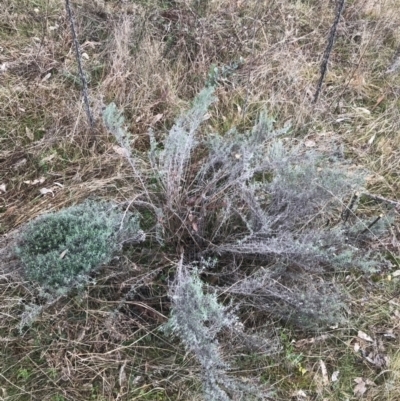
[372,224]
[350,207]
[331,38]
[380,198]
[79,61]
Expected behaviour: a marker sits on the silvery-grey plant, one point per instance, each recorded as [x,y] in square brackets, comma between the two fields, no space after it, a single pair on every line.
[196,318]
[256,199]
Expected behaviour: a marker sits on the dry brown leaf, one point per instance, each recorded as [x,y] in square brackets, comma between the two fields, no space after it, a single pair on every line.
[19,163]
[45,191]
[312,340]
[40,180]
[372,139]
[360,387]
[29,134]
[299,394]
[122,376]
[48,158]
[380,98]
[157,118]
[364,336]
[46,77]
[325,379]
[310,143]
[335,376]
[389,334]
[377,359]
[62,254]
[120,151]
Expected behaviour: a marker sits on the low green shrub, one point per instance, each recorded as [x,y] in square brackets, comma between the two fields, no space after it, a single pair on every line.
[58,250]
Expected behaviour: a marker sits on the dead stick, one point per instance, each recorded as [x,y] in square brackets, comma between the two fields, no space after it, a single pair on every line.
[79,61]
[327,53]
[382,199]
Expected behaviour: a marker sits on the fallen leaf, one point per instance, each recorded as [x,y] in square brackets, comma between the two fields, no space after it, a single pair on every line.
[45,191]
[325,379]
[372,139]
[312,340]
[396,273]
[335,376]
[356,347]
[380,98]
[300,393]
[389,334]
[378,360]
[19,163]
[122,376]
[85,56]
[46,77]
[62,254]
[40,180]
[304,341]
[363,110]
[3,188]
[120,151]
[29,134]
[364,336]
[360,388]
[157,118]
[48,158]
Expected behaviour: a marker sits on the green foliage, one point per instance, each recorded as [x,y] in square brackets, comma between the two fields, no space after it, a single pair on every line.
[218,75]
[23,374]
[58,250]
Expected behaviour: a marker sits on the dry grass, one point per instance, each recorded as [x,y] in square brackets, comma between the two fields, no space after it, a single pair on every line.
[151,57]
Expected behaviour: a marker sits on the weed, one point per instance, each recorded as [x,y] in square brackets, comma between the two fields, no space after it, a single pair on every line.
[23,374]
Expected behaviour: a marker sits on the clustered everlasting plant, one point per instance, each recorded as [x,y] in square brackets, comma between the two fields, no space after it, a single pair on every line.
[58,250]
[267,211]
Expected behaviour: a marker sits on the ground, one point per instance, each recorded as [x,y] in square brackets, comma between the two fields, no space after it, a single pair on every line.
[151,57]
